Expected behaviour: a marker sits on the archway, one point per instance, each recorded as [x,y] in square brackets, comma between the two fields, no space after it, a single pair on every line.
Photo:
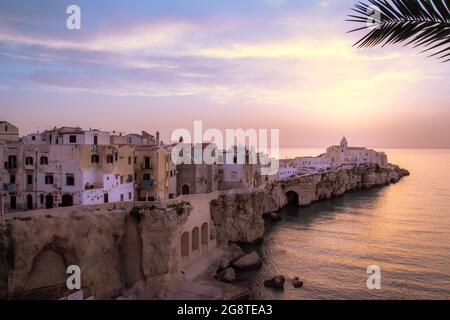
[292,198]
[29,202]
[204,236]
[185,248]
[195,239]
[67,200]
[185,189]
[48,201]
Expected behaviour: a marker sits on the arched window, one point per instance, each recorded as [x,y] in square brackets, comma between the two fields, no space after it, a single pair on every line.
[109,159]
[204,236]
[195,239]
[12,162]
[44,160]
[185,244]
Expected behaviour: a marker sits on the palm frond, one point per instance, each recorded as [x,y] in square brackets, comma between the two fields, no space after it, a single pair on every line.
[420,23]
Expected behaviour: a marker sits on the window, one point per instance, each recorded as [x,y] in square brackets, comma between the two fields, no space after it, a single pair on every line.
[129,160]
[29,179]
[44,160]
[121,197]
[72,139]
[33,138]
[12,162]
[121,179]
[116,157]
[95,140]
[6,128]
[49,179]
[70,180]
[95,158]
[12,179]
[130,178]
[146,177]
[146,162]
[41,198]
[109,159]
[129,195]
[135,160]
[29,161]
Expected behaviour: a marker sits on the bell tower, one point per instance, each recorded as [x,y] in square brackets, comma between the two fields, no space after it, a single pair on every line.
[344,143]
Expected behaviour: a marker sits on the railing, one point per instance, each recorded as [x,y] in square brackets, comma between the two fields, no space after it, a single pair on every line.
[10,165]
[146,167]
[9,186]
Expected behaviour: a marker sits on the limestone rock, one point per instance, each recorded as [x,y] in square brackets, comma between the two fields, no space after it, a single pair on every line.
[249,261]
[276,282]
[297,283]
[228,275]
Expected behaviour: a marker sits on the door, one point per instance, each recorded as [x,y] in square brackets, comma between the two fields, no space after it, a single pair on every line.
[105,198]
[13,203]
[29,202]
[48,201]
[67,200]
[95,140]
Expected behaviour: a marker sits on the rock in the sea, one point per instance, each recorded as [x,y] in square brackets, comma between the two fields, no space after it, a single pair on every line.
[228,275]
[249,261]
[273,217]
[297,283]
[234,253]
[276,282]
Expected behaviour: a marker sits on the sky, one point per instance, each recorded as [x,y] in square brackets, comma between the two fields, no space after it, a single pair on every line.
[262,64]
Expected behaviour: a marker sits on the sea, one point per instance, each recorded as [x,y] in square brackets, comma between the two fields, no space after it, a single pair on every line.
[402,230]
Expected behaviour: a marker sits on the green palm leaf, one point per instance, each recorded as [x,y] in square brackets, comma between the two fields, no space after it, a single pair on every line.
[421,23]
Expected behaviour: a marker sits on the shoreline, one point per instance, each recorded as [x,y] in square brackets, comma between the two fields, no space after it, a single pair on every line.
[138,246]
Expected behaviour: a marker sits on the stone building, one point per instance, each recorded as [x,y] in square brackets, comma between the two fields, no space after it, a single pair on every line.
[155,173]
[69,135]
[235,173]
[197,176]
[8,132]
[48,175]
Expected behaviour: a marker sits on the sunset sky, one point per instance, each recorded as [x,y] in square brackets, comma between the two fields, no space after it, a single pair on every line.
[160,65]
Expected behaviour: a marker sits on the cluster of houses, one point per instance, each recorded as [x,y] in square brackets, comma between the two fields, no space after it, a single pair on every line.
[70,166]
[335,156]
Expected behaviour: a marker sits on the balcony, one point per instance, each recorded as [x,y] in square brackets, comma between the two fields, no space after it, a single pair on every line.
[146,166]
[10,165]
[9,187]
[147,184]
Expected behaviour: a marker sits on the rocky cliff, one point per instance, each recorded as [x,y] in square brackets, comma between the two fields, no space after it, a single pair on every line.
[131,250]
[238,216]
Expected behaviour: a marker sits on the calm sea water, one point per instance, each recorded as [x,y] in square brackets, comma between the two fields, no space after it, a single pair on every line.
[403,228]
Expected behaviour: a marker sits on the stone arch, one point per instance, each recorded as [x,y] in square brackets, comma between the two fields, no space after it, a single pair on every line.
[195,239]
[185,189]
[292,198]
[204,236]
[49,269]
